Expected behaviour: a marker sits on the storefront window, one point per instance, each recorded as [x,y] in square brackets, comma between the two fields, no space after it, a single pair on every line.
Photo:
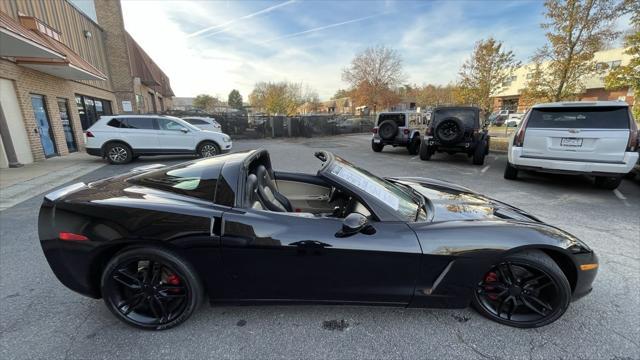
[90,109]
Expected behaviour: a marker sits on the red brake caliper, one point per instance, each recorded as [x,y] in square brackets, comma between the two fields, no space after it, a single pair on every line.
[489,278]
[173,279]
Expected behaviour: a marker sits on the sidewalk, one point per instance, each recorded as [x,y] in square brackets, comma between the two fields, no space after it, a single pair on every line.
[20,184]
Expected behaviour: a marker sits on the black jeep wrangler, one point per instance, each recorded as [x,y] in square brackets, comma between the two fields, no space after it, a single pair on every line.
[455,129]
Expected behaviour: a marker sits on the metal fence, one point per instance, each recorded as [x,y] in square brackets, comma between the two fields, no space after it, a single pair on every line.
[241,125]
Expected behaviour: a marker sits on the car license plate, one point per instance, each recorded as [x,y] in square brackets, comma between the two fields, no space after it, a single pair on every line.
[571,142]
[377,141]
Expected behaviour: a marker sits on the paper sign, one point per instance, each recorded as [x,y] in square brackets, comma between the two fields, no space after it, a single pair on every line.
[126,106]
[366,184]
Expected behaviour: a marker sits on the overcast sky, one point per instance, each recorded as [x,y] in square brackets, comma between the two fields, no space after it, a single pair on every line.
[214,46]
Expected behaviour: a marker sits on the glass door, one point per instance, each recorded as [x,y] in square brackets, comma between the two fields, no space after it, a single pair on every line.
[67,127]
[44,126]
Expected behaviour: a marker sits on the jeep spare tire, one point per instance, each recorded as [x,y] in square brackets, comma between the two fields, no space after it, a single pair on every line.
[388,129]
[449,131]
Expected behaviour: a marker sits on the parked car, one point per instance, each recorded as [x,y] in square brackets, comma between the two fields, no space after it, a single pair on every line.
[502,117]
[399,128]
[204,123]
[122,138]
[456,129]
[354,125]
[154,242]
[514,120]
[594,138]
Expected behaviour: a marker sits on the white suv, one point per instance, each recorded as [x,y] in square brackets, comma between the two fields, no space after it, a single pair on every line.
[595,138]
[123,138]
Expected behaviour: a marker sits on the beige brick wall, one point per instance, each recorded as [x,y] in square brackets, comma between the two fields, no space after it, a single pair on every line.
[27,82]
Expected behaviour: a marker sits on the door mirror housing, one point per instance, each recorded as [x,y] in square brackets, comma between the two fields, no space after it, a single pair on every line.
[184,130]
[355,223]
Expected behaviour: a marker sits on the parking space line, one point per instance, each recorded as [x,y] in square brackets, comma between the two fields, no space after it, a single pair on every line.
[484,169]
[619,195]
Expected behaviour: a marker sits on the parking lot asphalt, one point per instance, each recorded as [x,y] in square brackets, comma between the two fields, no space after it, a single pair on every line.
[40,318]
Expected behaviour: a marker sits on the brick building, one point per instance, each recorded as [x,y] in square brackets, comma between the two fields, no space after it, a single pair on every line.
[63,64]
[509,97]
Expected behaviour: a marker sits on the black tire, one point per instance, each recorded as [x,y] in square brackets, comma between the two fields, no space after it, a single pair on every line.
[488,145]
[449,130]
[208,149]
[510,172]
[118,153]
[425,151]
[479,153]
[608,182]
[376,147]
[414,145]
[524,290]
[178,299]
[388,130]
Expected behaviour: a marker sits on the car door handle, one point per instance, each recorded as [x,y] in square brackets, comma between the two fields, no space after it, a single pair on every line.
[310,244]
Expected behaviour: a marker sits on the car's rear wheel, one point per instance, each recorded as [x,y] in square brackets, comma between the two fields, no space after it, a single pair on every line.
[524,290]
[480,153]
[414,145]
[150,288]
[208,149]
[425,151]
[118,153]
[608,182]
[376,147]
[510,172]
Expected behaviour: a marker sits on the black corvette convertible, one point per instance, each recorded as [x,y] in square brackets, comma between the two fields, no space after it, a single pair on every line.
[155,242]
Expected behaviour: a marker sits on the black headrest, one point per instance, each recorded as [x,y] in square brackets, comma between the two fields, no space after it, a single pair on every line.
[252,183]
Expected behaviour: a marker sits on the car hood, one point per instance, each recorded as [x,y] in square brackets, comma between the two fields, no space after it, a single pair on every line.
[454,202]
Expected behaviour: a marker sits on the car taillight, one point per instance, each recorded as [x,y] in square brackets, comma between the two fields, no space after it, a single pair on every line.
[519,138]
[89,134]
[406,131]
[67,236]
[632,144]
[374,130]
[430,131]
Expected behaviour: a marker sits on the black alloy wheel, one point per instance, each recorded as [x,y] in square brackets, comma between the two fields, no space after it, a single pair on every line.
[150,289]
[525,290]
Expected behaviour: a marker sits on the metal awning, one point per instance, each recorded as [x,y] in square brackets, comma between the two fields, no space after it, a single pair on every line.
[17,40]
[38,51]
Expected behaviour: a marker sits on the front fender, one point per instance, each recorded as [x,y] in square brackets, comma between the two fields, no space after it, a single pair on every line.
[465,250]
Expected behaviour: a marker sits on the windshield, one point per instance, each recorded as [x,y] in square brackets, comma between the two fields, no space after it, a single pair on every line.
[386,192]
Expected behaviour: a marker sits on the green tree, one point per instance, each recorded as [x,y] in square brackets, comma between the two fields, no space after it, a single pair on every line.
[486,72]
[235,99]
[576,30]
[341,93]
[281,98]
[629,75]
[205,102]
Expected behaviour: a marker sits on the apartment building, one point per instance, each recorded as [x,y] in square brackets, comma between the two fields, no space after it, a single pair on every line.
[509,97]
[63,64]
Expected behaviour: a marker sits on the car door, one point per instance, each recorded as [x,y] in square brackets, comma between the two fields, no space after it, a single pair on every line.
[140,133]
[175,137]
[287,256]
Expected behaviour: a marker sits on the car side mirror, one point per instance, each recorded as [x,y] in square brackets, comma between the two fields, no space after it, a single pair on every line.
[184,130]
[355,223]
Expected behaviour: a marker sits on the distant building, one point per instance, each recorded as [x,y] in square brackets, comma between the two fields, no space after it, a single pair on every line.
[183,103]
[63,64]
[509,97]
[341,106]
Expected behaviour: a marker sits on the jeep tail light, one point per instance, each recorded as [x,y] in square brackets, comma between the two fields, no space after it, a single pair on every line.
[374,130]
[406,131]
[430,131]
[89,134]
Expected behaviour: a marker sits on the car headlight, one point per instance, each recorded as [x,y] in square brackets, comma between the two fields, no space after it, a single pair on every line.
[226,138]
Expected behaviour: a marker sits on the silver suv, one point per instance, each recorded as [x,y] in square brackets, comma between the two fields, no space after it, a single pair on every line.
[400,128]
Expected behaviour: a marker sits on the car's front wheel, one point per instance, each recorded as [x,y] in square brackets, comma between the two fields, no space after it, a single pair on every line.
[524,290]
[118,153]
[208,149]
[608,182]
[150,288]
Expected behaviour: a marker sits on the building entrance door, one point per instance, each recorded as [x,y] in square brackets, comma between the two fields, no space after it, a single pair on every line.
[67,127]
[44,126]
